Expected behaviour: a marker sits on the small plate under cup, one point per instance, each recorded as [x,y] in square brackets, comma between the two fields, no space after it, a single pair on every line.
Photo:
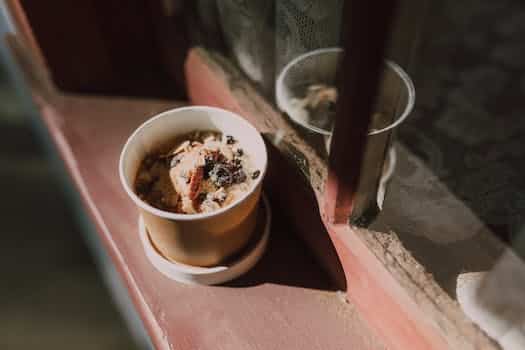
[229,270]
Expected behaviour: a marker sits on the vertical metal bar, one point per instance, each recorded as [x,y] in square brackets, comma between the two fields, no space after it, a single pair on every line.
[365,34]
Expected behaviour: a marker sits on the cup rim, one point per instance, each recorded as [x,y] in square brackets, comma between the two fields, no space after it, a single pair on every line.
[198,216]
[392,65]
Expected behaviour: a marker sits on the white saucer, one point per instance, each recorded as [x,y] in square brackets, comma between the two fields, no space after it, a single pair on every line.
[217,274]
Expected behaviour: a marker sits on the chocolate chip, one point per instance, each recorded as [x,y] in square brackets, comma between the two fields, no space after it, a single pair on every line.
[239,152]
[230,140]
[256,174]
[202,197]
[239,176]
[209,163]
[221,175]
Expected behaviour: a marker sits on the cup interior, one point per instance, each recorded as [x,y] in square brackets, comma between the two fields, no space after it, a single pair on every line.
[180,121]
[396,92]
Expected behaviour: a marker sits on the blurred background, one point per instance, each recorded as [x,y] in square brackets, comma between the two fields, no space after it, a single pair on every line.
[52,295]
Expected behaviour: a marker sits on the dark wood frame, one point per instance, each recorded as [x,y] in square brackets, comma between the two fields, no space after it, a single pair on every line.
[365,35]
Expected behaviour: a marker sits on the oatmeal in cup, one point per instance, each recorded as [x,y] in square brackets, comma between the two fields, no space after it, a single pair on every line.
[195,174]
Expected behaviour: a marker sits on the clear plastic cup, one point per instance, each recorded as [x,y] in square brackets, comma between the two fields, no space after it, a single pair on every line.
[394,103]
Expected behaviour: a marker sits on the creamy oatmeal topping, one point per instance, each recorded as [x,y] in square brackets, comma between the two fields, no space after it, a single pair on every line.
[199,173]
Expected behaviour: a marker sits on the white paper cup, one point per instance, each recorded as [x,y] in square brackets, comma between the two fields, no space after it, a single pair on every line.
[202,239]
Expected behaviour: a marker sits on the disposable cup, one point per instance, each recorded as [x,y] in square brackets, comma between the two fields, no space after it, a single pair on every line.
[202,239]
[395,101]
